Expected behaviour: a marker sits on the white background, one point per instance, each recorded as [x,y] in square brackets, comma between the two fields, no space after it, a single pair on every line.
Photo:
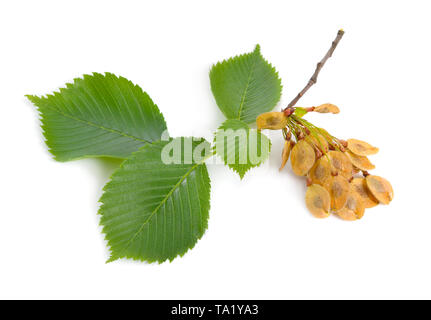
[261,241]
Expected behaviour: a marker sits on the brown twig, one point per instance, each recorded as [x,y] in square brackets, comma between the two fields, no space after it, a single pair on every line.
[319,67]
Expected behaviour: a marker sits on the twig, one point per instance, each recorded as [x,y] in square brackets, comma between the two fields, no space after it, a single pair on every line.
[319,67]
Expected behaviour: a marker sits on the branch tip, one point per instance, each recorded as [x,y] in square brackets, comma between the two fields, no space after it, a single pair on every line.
[319,67]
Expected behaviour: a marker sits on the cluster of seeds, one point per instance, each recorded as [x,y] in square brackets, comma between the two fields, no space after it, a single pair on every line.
[336,170]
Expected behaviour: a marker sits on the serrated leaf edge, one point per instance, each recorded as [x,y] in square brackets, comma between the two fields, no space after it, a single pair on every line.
[230,166]
[241,56]
[33,99]
[115,257]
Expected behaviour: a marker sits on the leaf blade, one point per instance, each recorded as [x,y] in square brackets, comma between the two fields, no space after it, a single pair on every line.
[245,86]
[240,147]
[98,116]
[153,211]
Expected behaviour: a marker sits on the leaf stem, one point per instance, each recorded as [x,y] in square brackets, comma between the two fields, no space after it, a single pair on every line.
[208,156]
[319,67]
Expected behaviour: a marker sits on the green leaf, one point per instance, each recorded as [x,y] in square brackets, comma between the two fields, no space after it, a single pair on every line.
[245,86]
[240,147]
[155,208]
[300,112]
[98,115]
